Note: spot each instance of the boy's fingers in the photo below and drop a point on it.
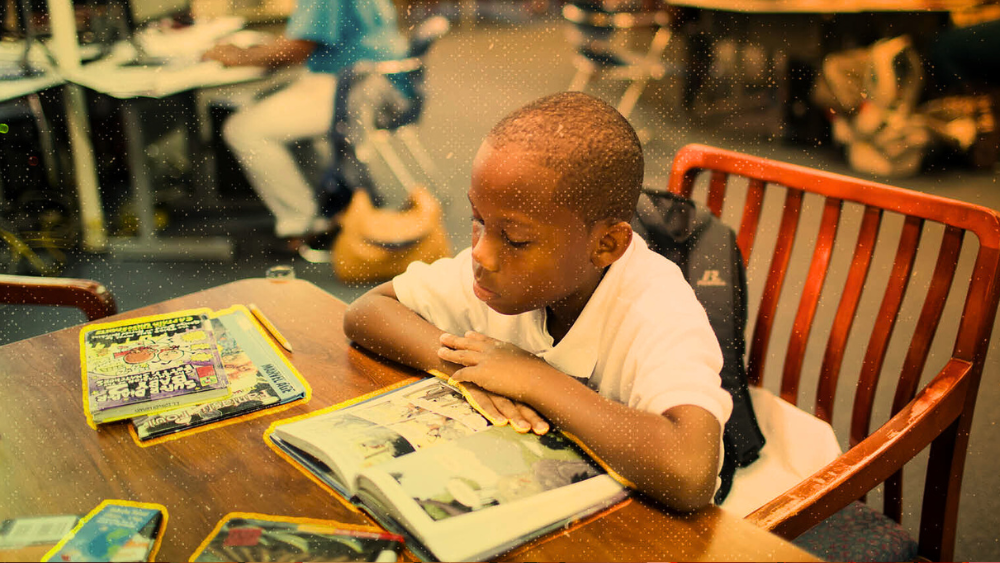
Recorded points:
(538, 424)
(448, 339)
(473, 335)
(464, 357)
(459, 342)
(485, 403)
(512, 413)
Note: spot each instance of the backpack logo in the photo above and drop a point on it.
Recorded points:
(711, 278)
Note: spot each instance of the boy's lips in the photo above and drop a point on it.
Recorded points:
(482, 292)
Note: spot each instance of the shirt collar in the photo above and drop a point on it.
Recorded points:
(577, 353)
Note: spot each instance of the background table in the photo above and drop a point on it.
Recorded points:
(751, 64)
(51, 462)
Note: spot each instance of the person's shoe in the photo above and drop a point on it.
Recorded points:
(287, 246)
(316, 249)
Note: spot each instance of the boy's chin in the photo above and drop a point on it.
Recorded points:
(497, 302)
(504, 308)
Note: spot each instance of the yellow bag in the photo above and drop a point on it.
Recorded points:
(377, 244)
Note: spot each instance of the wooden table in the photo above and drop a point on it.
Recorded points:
(51, 462)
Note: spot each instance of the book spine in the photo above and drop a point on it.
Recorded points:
(135, 409)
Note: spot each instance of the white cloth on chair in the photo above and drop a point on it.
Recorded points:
(798, 445)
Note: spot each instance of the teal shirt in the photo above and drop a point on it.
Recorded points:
(346, 31)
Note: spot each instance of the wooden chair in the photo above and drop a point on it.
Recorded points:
(889, 308)
(87, 295)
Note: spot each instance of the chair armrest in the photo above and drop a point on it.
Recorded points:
(87, 295)
(871, 461)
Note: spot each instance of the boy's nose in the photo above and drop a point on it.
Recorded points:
(484, 254)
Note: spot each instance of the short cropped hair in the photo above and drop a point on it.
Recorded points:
(591, 146)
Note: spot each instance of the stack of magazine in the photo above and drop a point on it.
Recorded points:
(427, 466)
(177, 371)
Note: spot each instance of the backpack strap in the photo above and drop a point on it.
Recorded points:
(705, 249)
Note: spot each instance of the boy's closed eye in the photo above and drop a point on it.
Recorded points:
(514, 240)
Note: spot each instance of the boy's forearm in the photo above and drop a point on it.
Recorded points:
(385, 326)
(672, 457)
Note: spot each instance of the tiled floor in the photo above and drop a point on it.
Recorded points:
(475, 76)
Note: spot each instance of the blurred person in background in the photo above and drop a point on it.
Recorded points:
(329, 36)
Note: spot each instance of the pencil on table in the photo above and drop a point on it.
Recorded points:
(270, 327)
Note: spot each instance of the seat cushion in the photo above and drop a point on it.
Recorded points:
(859, 533)
(783, 461)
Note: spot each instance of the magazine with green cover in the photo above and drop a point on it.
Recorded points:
(426, 465)
(260, 377)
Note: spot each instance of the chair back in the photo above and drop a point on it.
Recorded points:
(410, 81)
(426, 34)
(89, 296)
(396, 104)
(869, 304)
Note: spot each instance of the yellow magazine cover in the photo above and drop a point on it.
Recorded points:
(149, 364)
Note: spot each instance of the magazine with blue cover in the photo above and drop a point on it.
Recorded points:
(117, 530)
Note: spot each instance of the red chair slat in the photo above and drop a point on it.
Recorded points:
(815, 279)
(936, 416)
(885, 322)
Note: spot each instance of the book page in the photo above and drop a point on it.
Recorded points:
(487, 492)
(384, 428)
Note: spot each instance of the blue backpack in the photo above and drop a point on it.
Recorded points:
(705, 250)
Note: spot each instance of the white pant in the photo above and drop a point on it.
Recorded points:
(260, 135)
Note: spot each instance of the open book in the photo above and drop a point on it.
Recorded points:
(427, 466)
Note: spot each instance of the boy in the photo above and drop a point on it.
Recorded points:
(558, 311)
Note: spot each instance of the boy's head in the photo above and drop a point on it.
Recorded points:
(553, 188)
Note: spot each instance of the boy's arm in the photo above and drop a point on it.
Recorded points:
(672, 457)
(379, 322)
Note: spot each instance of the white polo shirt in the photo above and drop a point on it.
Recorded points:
(643, 339)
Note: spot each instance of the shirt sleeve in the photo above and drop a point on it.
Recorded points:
(439, 293)
(315, 20)
(677, 360)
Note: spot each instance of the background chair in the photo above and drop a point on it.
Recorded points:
(889, 324)
(377, 108)
(89, 296)
(594, 25)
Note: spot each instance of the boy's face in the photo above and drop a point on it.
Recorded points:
(528, 250)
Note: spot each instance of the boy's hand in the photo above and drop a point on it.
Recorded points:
(495, 366)
(502, 410)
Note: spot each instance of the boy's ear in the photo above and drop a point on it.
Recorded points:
(613, 238)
